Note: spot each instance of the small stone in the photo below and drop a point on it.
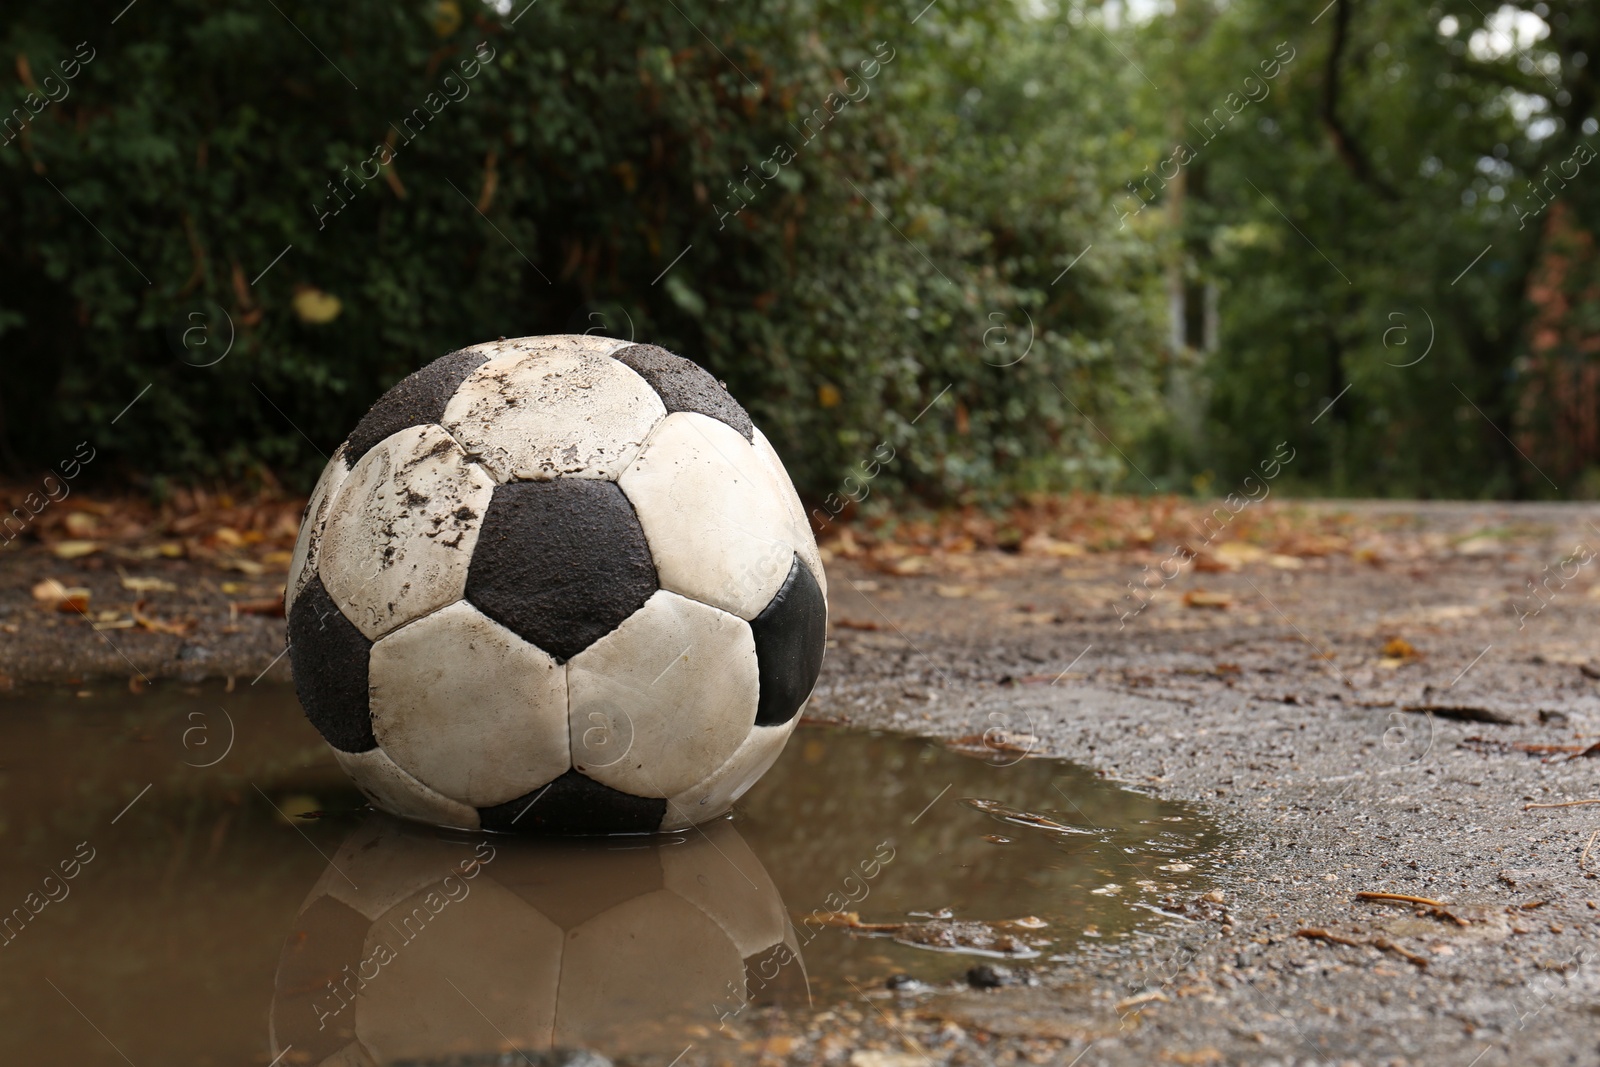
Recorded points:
(988, 976)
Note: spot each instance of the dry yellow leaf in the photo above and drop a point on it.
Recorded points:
(74, 549)
(137, 584)
(49, 591)
(1042, 544)
(1239, 553)
(80, 523)
(315, 307)
(1399, 648)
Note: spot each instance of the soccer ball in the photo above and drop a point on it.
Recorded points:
(556, 585)
(416, 948)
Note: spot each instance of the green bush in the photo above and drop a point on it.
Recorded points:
(623, 167)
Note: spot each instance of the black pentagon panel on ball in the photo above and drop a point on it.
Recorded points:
(328, 658)
(415, 400)
(575, 805)
(561, 563)
(571, 881)
(791, 632)
(684, 385)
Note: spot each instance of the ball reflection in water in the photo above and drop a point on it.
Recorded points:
(418, 944)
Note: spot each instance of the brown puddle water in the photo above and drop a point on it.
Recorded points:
(192, 923)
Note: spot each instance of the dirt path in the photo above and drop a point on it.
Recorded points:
(1372, 718)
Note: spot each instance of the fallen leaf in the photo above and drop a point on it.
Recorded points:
(1239, 553)
(63, 598)
(74, 549)
(1042, 544)
(995, 740)
(1199, 598)
(49, 591)
(1155, 995)
(874, 1058)
(1481, 546)
(772, 1046)
(1027, 617)
(953, 592)
(80, 523)
(855, 624)
(76, 601)
(846, 544)
(1399, 648)
(269, 606)
(137, 584)
(162, 626)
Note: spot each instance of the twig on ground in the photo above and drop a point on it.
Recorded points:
(1410, 957)
(1383, 944)
(1562, 804)
(1437, 908)
(1584, 859)
(1319, 934)
(1403, 897)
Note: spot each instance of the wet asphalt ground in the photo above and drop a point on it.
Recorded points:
(1334, 768)
(1373, 720)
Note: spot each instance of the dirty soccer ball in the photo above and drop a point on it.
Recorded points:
(418, 949)
(556, 585)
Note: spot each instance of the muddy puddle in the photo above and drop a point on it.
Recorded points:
(164, 897)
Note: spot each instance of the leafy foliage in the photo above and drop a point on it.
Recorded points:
(335, 194)
(1378, 202)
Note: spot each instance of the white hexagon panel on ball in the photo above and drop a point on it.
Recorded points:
(662, 701)
(402, 528)
(568, 414)
(464, 704)
(698, 483)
